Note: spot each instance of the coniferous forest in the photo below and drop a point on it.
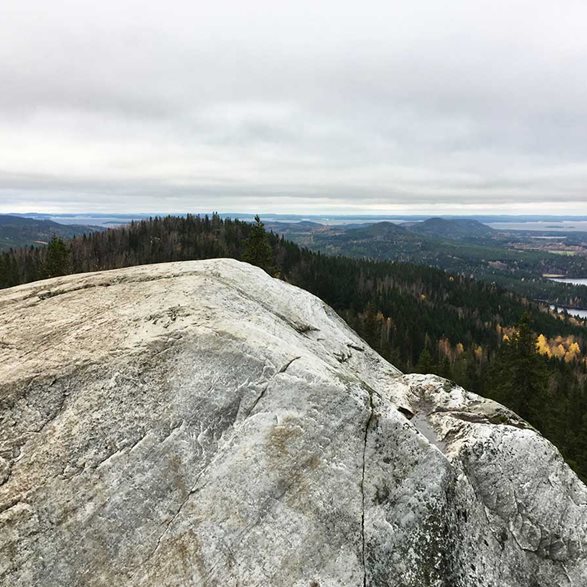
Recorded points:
(487, 339)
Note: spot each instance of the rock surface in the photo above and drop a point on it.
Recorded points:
(201, 423)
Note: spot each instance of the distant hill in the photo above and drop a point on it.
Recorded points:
(454, 229)
(417, 317)
(378, 231)
(17, 231)
(435, 228)
(299, 228)
(462, 246)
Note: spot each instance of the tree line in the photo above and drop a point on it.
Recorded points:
(422, 319)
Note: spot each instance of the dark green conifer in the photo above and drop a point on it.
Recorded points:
(520, 374)
(425, 362)
(257, 248)
(57, 260)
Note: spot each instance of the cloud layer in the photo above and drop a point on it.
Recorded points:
(418, 106)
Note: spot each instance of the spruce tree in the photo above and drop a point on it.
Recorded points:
(425, 362)
(57, 259)
(257, 248)
(520, 375)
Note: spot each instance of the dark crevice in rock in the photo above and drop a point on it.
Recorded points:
(51, 293)
(355, 347)
(10, 504)
(286, 366)
(5, 470)
(43, 294)
(304, 328)
(364, 463)
(407, 413)
(264, 390)
(129, 447)
(258, 399)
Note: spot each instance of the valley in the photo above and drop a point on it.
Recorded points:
(520, 261)
(19, 231)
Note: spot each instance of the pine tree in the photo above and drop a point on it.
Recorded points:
(257, 248)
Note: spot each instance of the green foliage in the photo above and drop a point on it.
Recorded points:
(257, 248)
(520, 375)
(425, 362)
(417, 317)
(57, 259)
(549, 393)
(491, 259)
(17, 231)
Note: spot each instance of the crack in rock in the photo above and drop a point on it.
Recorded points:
(264, 390)
(364, 463)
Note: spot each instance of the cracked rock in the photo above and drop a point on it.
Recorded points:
(183, 424)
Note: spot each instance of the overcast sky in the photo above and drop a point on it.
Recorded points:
(415, 106)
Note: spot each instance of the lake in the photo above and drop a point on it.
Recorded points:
(542, 225)
(571, 311)
(574, 281)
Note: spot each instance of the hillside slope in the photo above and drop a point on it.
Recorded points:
(454, 229)
(201, 423)
(458, 246)
(17, 231)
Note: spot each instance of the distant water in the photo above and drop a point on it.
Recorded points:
(543, 225)
(119, 219)
(575, 281)
(571, 311)
(572, 280)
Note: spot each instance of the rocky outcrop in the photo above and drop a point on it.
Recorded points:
(201, 423)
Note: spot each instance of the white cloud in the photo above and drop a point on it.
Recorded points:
(305, 106)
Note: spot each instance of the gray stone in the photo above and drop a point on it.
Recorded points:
(201, 423)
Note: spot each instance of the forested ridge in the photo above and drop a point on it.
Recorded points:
(421, 319)
(468, 251)
(16, 231)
